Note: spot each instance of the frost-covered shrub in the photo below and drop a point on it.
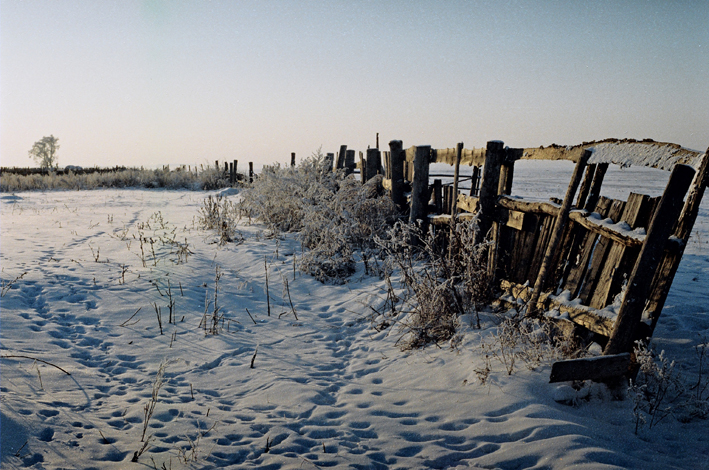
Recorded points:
(280, 196)
(336, 216)
(349, 221)
(656, 389)
(221, 215)
(209, 178)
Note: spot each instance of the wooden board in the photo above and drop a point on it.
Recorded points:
(620, 259)
(600, 252)
(590, 368)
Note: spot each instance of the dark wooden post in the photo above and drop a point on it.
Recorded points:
(558, 231)
(232, 177)
(377, 139)
(236, 173)
(292, 159)
(251, 172)
(362, 167)
(419, 190)
(456, 175)
(341, 157)
(330, 159)
(350, 162)
(640, 281)
(226, 168)
(438, 195)
(507, 169)
(474, 181)
(374, 162)
(396, 172)
(668, 268)
(216, 164)
(488, 188)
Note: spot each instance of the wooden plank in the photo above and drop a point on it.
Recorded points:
(524, 245)
(640, 281)
(609, 280)
(535, 262)
(579, 263)
(530, 207)
(600, 252)
(592, 319)
(598, 368)
(595, 192)
(585, 186)
(467, 203)
(557, 232)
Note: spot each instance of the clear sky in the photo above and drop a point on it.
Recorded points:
(170, 82)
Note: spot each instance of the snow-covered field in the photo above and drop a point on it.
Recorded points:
(325, 389)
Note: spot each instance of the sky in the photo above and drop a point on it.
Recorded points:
(150, 83)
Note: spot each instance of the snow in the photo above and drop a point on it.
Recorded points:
(650, 154)
(326, 390)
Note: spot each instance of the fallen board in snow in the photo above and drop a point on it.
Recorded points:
(590, 368)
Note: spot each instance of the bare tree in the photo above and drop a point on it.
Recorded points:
(44, 151)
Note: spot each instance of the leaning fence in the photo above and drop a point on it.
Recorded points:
(573, 255)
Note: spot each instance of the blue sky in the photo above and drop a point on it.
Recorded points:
(153, 82)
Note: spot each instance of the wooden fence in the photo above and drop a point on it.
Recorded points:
(573, 255)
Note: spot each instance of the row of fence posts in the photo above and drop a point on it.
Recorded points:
(231, 167)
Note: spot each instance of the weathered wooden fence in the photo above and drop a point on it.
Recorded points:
(573, 255)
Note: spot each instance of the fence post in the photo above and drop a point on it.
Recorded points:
(507, 171)
(341, 157)
(292, 159)
(419, 187)
(232, 176)
(396, 173)
(595, 192)
(640, 281)
(216, 164)
(488, 188)
(456, 175)
(251, 172)
(374, 162)
(438, 195)
(236, 173)
(350, 162)
(330, 159)
(362, 168)
(670, 263)
(558, 231)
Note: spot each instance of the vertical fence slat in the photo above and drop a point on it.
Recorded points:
(559, 226)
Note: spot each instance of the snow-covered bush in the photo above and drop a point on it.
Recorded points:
(336, 216)
(221, 215)
(207, 179)
(439, 283)
(656, 389)
(280, 195)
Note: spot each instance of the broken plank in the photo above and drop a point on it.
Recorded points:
(597, 368)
